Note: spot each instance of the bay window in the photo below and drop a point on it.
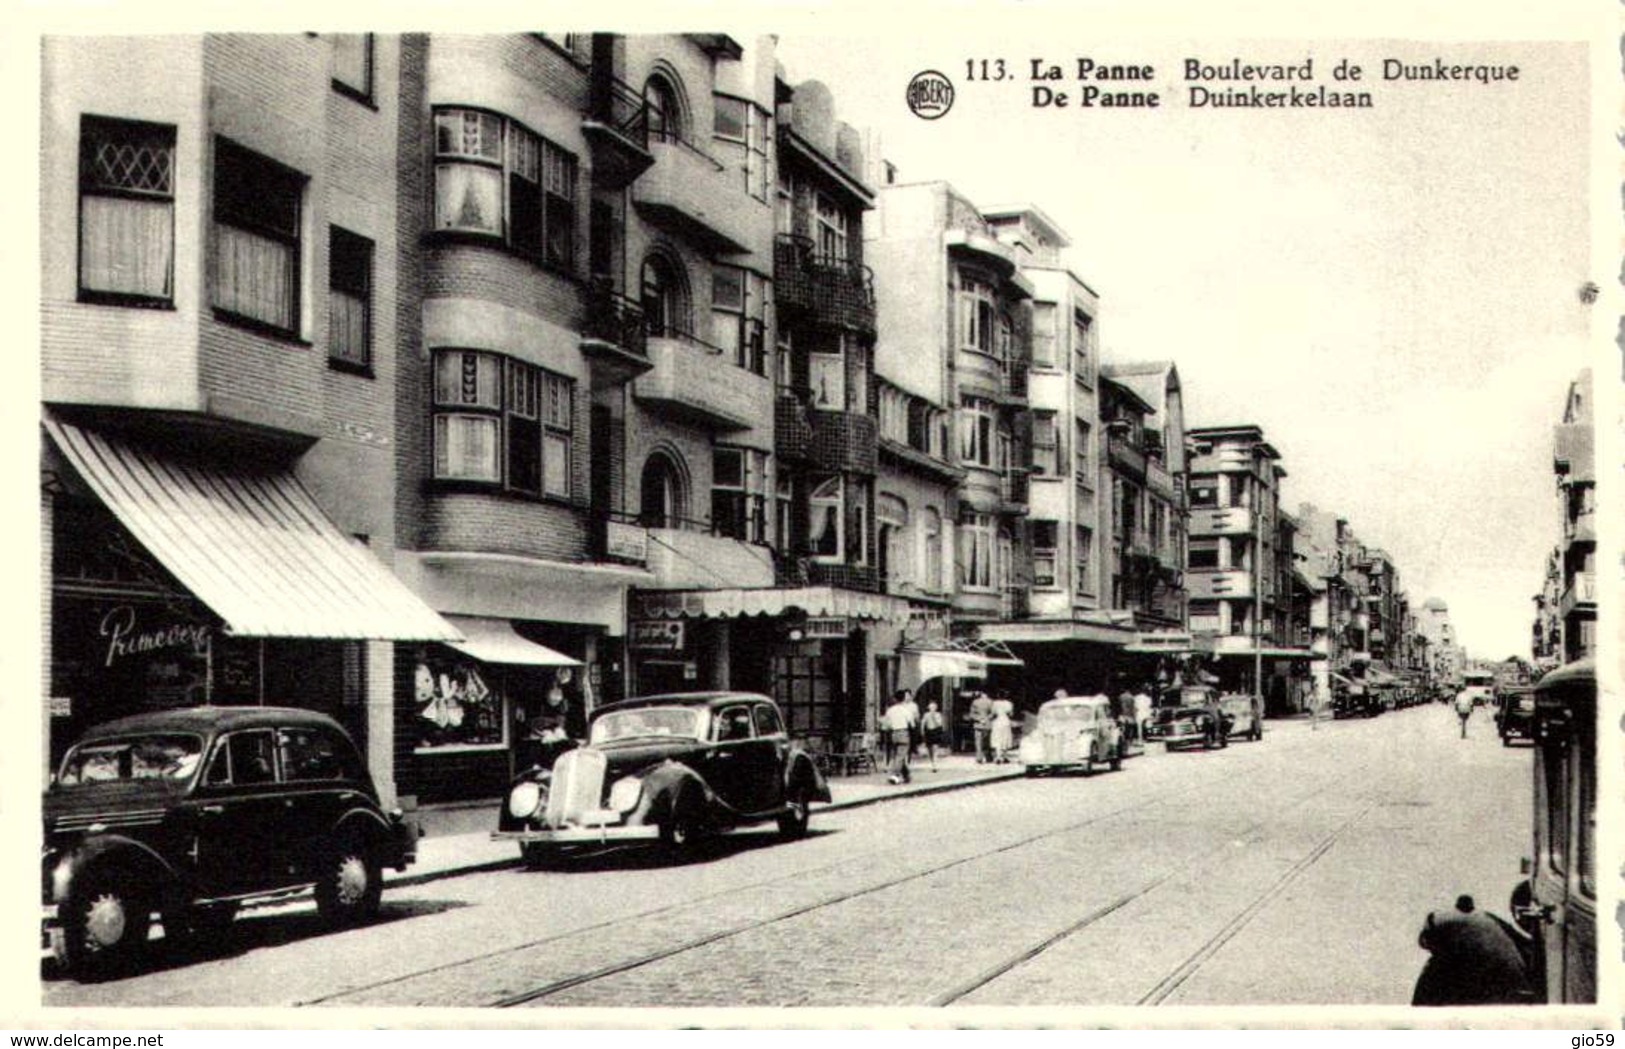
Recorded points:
(826, 373)
(257, 238)
(978, 317)
(738, 298)
(976, 428)
(126, 211)
(976, 538)
(496, 177)
(502, 421)
(826, 531)
(739, 494)
(831, 225)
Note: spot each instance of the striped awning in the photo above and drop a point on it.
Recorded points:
(496, 641)
(733, 602)
(250, 542)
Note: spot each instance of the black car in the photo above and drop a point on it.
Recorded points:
(667, 768)
(1355, 701)
(1515, 714)
(190, 813)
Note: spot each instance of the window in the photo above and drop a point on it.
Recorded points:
(499, 420)
(1204, 553)
(494, 176)
(857, 522)
(661, 502)
(767, 721)
(662, 299)
(931, 537)
(249, 758)
(1046, 446)
(1080, 453)
(977, 316)
(1083, 552)
(736, 120)
(737, 299)
(783, 510)
(1045, 536)
(349, 298)
(976, 431)
(1082, 353)
(826, 532)
(1044, 334)
(739, 494)
(831, 228)
(894, 414)
(1004, 571)
(826, 372)
(312, 754)
(976, 552)
(352, 64)
(1204, 492)
(857, 396)
(665, 117)
(257, 250)
(126, 211)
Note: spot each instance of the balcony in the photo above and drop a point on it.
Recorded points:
(1017, 604)
(1582, 528)
(1123, 456)
(1016, 386)
(981, 247)
(1157, 479)
(694, 382)
(833, 292)
(1233, 583)
(617, 130)
(844, 441)
(693, 195)
(1015, 493)
(1579, 596)
(612, 336)
(804, 571)
(685, 555)
(1223, 520)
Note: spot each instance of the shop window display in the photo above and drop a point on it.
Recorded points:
(456, 707)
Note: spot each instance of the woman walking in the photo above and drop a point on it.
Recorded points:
(932, 724)
(1003, 736)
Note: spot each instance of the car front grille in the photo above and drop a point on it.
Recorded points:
(577, 787)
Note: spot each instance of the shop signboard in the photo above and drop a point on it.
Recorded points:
(656, 635)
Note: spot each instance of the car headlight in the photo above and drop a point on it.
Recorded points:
(624, 795)
(525, 800)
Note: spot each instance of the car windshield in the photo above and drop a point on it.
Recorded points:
(1069, 712)
(165, 757)
(683, 722)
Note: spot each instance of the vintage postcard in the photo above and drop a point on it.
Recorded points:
(990, 516)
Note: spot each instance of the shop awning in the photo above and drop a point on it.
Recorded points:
(251, 543)
(918, 666)
(496, 641)
(732, 602)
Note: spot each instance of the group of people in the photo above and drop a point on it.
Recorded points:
(991, 719)
(904, 729)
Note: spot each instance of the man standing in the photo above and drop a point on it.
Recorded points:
(981, 719)
(899, 720)
(1142, 711)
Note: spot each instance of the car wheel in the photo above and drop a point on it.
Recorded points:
(349, 883)
(679, 830)
(797, 812)
(1117, 759)
(106, 922)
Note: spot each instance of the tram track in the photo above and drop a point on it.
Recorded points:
(645, 959)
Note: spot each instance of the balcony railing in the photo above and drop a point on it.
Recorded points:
(615, 319)
(1122, 454)
(617, 126)
(621, 107)
(1016, 490)
(835, 290)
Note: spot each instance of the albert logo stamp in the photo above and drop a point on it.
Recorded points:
(930, 95)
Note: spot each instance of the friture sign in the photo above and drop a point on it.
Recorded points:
(830, 627)
(656, 635)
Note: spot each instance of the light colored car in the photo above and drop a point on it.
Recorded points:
(1073, 732)
(1244, 715)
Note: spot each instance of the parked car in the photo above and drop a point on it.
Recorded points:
(1073, 732)
(1355, 700)
(190, 813)
(1515, 714)
(1244, 715)
(1195, 719)
(667, 768)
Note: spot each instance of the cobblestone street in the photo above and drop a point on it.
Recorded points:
(1295, 870)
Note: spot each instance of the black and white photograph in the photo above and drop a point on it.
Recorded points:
(992, 516)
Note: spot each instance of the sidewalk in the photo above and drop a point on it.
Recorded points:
(458, 836)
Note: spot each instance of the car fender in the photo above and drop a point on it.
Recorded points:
(801, 770)
(111, 851)
(663, 785)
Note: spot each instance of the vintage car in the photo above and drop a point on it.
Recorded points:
(1190, 716)
(1354, 699)
(1515, 714)
(1073, 732)
(1244, 714)
(190, 813)
(668, 768)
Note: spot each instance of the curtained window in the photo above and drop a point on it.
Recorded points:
(126, 211)
(257, 247)
(496, 177)
(349, 298)
(502, 421)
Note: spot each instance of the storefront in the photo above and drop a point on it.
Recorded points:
(178, 580)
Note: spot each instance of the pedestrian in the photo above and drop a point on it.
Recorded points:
(981, 719)
(913, 726)
(931, 725)
(899, 725)
(1001, 734)
(1142, 710)
(1464, 709)
(1477, 959)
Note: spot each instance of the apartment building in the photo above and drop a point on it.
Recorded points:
(1142, 414)
(220, 305)
(1574, 463)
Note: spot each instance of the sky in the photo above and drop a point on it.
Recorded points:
(1391, 293)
